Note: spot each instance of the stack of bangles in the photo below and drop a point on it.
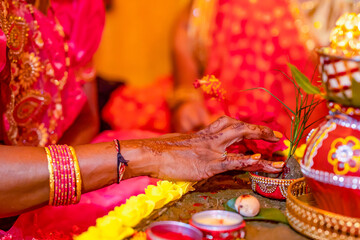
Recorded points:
(65, 178)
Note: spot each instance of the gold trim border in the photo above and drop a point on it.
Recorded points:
(314, 222)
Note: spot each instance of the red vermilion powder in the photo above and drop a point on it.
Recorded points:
(173, 236)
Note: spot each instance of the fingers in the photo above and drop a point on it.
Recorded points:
(240, 130)
(219, 124)
(248, 163)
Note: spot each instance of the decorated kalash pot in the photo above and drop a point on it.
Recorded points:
(331, 163)
(219, 224)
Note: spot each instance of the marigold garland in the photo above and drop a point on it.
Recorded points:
(119, 223)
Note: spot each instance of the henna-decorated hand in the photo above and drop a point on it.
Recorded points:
(200, 155)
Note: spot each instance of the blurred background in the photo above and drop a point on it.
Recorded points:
(136, 41)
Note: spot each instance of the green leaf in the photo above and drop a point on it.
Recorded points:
(303, 81)
(265, 214)
(355, 87)
(269, 214)
(230, 205)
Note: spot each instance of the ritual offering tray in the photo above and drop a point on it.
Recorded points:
(269, 187)
(219, 224)
(168, 230)
(305, 217)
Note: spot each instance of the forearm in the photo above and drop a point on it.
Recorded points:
(24, 181)
(25, 177)
(186, 69)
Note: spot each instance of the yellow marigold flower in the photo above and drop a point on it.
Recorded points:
(111, 227)
(299, 152)
(119, 222)
(285, 152)
(125, 232)
(92, 233)
(145, 204)
(157, 195)
(129, 214)
(186, 186)
(139, 236)
(135, 209)
(165, 185)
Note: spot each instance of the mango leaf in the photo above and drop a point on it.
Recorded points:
(355, 87)
(303, 81)
(265, 214)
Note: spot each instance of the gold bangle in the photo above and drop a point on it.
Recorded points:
(51, 176)
(77, 173)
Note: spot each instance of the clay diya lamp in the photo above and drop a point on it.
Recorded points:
(219, 224)
(172, 230)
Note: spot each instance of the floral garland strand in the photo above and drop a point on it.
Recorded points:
(119, 223)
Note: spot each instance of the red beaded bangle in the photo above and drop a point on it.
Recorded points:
(71, 176)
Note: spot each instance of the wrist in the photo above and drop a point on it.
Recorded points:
(140, 162)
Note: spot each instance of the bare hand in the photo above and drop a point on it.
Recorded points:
(200, 155)
(190, 116)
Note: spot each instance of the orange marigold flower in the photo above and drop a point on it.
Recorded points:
(211, 86)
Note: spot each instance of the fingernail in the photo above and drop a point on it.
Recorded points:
(278, 134)
(278, 164)
(256, 156)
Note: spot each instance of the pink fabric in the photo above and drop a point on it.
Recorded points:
(2, 50)
(42, 110)
(64, 222)
(83, 22)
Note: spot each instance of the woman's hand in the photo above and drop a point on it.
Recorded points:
(190, 116)
(200, 155)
